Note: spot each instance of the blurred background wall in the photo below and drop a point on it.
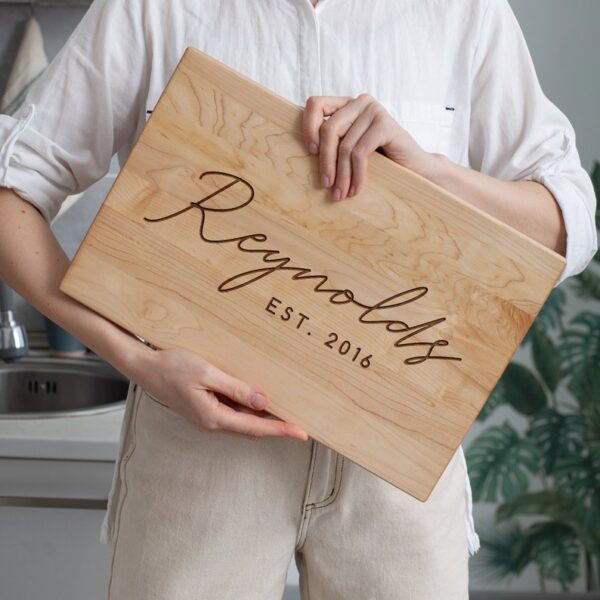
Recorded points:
(564, 40)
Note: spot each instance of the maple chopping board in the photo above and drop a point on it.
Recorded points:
(379, 324)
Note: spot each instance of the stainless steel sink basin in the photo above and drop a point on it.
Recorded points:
(39, 387)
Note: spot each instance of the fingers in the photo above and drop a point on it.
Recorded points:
(342, 141)
(240, 415)
(236, 389)
(210, 398)
(257, 427)
(348, 158)
(366, 145)
(317, 108)
(330, 132)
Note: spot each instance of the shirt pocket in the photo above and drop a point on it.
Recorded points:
(429, 123)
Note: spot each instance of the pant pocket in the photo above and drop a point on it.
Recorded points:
(125, 448)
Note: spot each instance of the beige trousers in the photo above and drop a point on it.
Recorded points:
(198, 515)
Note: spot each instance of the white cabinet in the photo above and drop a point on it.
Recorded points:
(51, 554)
(49, 548)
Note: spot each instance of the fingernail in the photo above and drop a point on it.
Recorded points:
(337, 194)
(258, 401)
(325, 180)
(352, 190)
(313, 148)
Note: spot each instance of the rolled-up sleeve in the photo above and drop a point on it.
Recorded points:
(82, 109)
(517, 133)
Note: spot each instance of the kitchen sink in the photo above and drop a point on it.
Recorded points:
(40, 387)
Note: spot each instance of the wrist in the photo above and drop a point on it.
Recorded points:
(438, 169)
(133, 358)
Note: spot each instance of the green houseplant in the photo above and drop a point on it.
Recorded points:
(546, 478)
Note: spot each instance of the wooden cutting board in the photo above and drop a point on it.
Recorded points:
(379, 324)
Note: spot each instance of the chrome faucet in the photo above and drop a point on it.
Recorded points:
(13, 336)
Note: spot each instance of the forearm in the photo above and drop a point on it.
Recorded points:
(33, 263)
(525, 205)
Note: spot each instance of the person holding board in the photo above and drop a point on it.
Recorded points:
(212, 496)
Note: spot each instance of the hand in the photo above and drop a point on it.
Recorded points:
(356, 127)
(210, 398)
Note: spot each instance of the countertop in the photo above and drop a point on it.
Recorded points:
(88, 437)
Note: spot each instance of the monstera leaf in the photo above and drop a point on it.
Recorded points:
(550, 316)
(546, 503)
(554, 506)
(581, 342)
(522, 390)
(557, 435)
(578, 477)
(546, 359)
(596, 182)
(506, 551)
(555, 549)
(580, 350)
(585, 386)
(587, 284)
(499, 462)
(496, 398)
(592, 425)
(518, 387)
(503, 553)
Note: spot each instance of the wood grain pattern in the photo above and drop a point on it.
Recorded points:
(380, 324)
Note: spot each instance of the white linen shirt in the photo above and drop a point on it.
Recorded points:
(456, 74)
